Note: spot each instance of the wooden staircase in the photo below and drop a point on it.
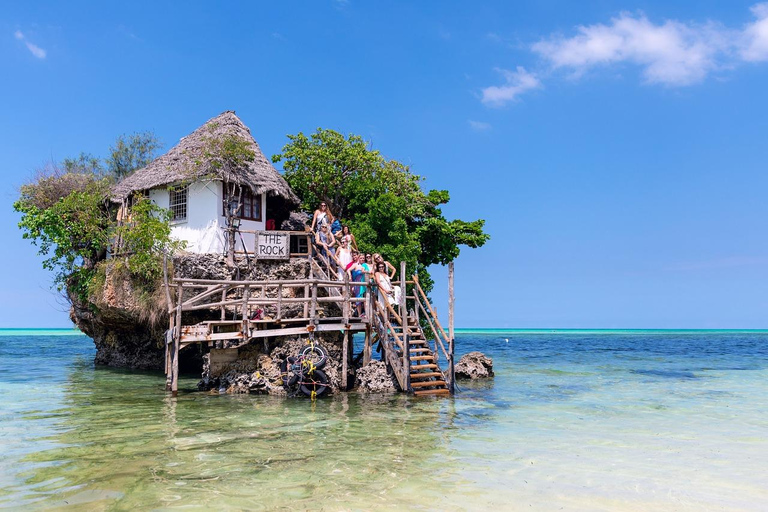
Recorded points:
(424, 376)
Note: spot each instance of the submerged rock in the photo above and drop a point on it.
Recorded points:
(474, 365)
(375, 378)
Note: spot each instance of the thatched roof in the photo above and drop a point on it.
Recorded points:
(185, 162)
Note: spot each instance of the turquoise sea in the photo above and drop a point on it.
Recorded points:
(574, 420)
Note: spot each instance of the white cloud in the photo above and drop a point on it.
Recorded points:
(517, 82)
(755, 37)
(479, 126)
(672, 53)
(33, 48)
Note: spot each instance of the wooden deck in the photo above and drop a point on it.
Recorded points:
(250, 310)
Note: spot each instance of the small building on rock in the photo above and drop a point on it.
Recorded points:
(203, 177)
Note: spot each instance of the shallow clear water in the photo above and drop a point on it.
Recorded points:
(585, 420)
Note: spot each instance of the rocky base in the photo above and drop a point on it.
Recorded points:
(474, 365)
(375, 378)
(256, 368)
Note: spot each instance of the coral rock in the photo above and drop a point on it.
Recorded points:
(474, 365)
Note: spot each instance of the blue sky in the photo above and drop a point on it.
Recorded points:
(616, 150)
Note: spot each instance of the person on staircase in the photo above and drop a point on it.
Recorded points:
(324, 239)
(322, 217)
(346, 233)
(358, 273)
(387, 293)
(377, 258)
(344, 256)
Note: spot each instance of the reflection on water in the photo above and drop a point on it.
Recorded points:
(653, 424)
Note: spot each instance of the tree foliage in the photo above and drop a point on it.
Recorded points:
(66, 212)
(146, 238)
(380, 199)
(71, 230)
(131, 152)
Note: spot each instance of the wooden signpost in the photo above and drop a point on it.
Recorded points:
(272, 245)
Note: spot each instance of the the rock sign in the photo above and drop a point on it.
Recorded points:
(272, 245)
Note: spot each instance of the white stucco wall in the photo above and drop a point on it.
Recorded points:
(202, 229)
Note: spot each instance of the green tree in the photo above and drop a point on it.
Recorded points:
(131, 152)
(380, 199)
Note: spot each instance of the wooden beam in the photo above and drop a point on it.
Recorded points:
(406, 335)
(176, 344)
(367, 345)
(344, 359)
(451, 301)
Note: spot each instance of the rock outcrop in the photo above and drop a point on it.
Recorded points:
(375, 378)
(474, 365)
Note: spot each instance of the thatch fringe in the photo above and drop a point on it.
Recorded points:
(184, 163)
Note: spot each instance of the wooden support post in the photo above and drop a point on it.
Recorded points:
(244, 311)
(367, 346)
(279, 302)
(176, 344)
(306, 303)
(346, 306)
(170, 310)
(406, 332)
(452, 375)
(223, 299)
(344, 361)
(313, 304)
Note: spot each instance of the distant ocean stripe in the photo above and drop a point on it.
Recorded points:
(606, 331)
(40, 332)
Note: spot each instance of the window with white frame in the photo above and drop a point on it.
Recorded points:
(178, 203)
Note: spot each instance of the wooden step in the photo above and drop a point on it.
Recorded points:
(416, 357)
(416, 342)
(424, 375)
(423, 366)
(429, 383)
(438, 392)
(420, 350)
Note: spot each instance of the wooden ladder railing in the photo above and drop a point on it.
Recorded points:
(405, 346)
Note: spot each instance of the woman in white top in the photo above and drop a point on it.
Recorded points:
(344, 255)
(386, 291)
(322, 217)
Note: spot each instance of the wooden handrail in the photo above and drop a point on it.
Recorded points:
(438, 340)
(429, 305)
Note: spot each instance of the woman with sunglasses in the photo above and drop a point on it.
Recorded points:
(387, 265)
(387, 292)
(322, 217)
